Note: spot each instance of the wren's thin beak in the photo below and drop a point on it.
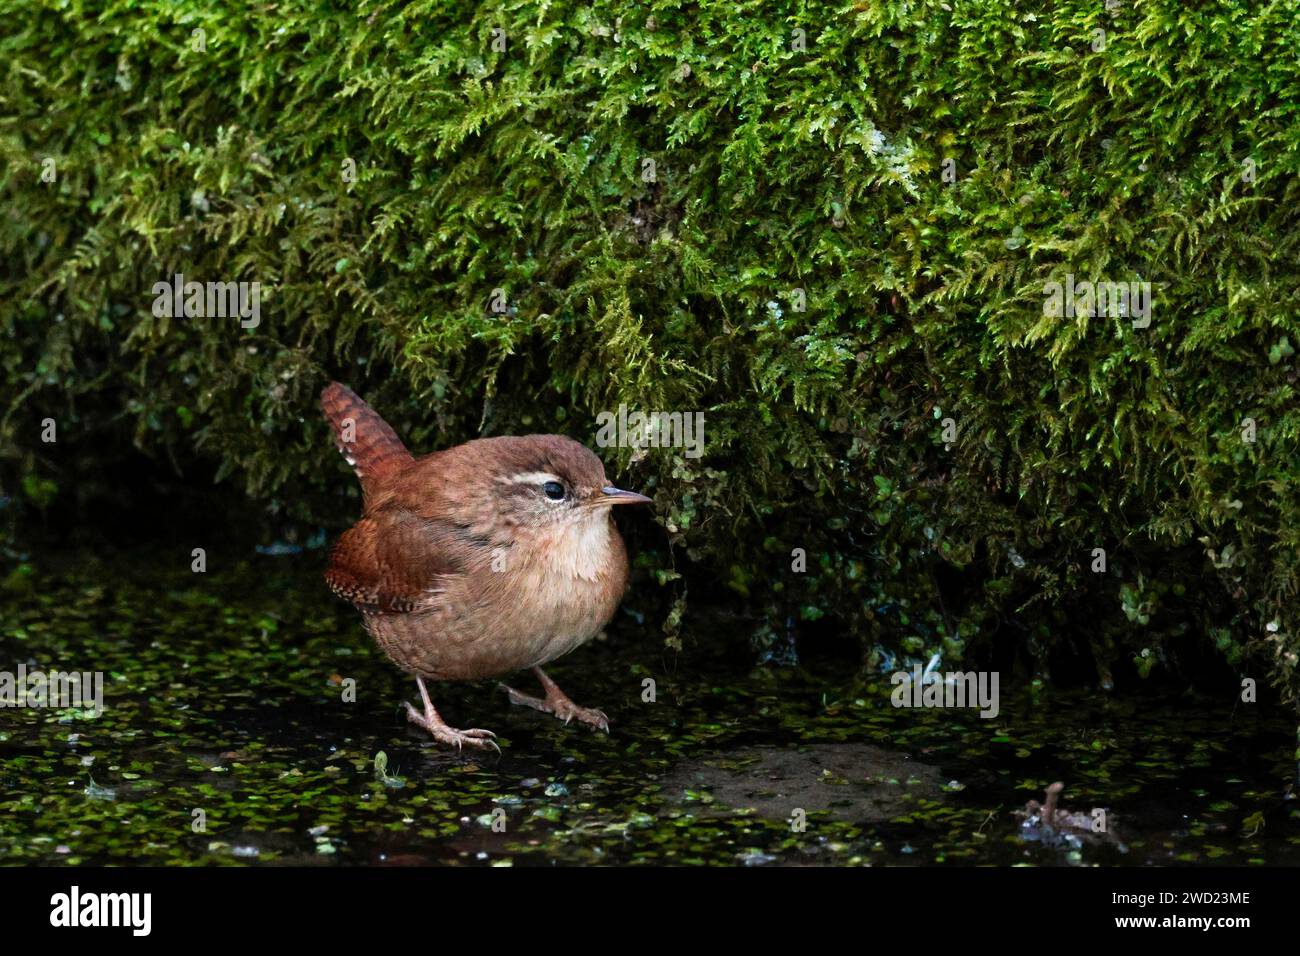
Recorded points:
(617, 496)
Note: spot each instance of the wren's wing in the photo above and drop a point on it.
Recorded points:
(395, 561)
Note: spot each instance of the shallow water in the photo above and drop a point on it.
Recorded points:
(225, 740)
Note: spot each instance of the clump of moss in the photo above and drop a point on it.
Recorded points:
(828, 228)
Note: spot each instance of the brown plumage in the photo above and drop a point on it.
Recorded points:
(494, 556)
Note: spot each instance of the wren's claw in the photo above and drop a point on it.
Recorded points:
(438, 729)
(567, 710)
(558, 703)
(474, 737)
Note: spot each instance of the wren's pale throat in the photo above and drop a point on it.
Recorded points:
(494, 556)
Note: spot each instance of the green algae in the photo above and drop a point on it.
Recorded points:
(228, 738)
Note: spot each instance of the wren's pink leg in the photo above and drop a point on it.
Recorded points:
(558, 703)
(439, 730)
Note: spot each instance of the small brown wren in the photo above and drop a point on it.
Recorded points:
(494, 556)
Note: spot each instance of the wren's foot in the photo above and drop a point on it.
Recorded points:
(439, 730)
(558, 703)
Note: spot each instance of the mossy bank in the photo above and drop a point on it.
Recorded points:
(829, 228)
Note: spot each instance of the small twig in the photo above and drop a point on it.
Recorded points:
(1049, 808)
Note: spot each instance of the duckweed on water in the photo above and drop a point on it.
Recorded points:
(226, 739)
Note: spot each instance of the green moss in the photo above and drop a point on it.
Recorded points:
(1166, 154)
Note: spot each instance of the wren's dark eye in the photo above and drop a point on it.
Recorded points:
(554, 490)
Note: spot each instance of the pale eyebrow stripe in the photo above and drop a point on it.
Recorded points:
(530, 478)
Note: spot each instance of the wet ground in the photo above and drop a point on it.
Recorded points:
(226, 739)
